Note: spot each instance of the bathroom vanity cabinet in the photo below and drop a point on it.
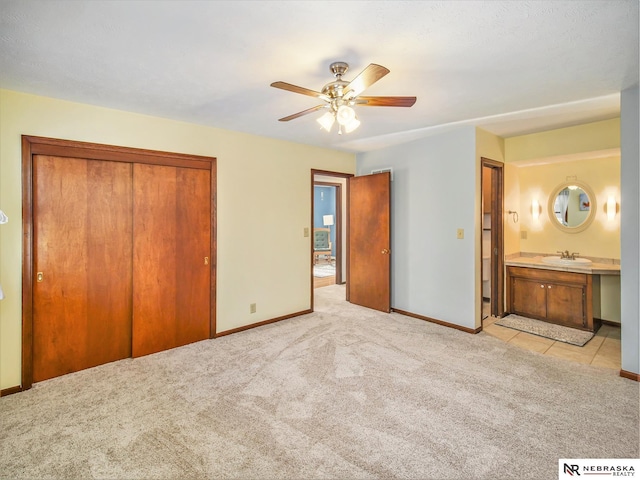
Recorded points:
(561, 297)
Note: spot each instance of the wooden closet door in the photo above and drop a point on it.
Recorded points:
(83, 249)
(172, 249)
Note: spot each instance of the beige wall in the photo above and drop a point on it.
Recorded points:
(512, 223)
(264, 203)
(601, 238)
(570, 142)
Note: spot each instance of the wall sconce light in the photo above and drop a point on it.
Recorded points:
(536, 209)
(611, 208)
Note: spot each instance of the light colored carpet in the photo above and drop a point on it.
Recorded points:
(559, 333)
(324, 270)
(343, 393)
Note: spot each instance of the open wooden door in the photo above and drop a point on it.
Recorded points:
(369, 241)
(497, 265)
(497, 236)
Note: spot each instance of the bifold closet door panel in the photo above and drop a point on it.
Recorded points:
(82, 247)
(172, 248)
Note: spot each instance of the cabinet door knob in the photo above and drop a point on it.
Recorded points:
(541, 286)
(549, 286)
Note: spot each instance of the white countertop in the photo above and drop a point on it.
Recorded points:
(592, 268)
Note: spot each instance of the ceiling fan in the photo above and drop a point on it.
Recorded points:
(340, 96)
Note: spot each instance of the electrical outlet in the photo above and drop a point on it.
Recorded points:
(460, 234)
(252, 308)
(523, 234)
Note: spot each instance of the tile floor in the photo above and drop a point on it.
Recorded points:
(603, 350)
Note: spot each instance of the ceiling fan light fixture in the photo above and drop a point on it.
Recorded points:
(352, 125)
(345, 115)
(326, 121)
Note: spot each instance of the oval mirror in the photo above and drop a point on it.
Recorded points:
(572, 206)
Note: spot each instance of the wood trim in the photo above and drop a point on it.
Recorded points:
(33, 145)
(96, 151)
(213, 286)
(264, 322)
(339, 243)
(607, 322)
(328, 173)
(439, 322)
(27, 262)
(630, 375)
(11, 390)
(348, 239)
(311, 256)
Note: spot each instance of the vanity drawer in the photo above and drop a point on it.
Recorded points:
(548, 275)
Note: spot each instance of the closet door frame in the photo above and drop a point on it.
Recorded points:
(31, 146)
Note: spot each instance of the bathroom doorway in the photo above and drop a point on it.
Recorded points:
(492, 247)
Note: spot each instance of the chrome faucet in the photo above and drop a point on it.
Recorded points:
(567, 255)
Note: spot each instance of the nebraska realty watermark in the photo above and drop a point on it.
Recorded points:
(594, 469)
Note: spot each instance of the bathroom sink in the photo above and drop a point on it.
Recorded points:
(566, 261)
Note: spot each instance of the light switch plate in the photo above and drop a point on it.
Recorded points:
(460, 234)
(306, 231)
(523, 234)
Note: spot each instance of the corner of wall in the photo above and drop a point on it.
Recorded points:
(630, 230)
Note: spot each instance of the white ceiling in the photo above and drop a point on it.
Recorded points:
(511, 67)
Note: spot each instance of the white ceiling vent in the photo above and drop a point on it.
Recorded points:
(382, 170)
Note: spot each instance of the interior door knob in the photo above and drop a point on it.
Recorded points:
(39, 276)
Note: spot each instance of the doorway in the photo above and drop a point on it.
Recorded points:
(492, 243)
(327, 231)
(328, 213)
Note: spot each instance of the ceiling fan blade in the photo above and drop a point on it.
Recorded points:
(366, 78)
(300, 114)
(304, 91)
(386, 101)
